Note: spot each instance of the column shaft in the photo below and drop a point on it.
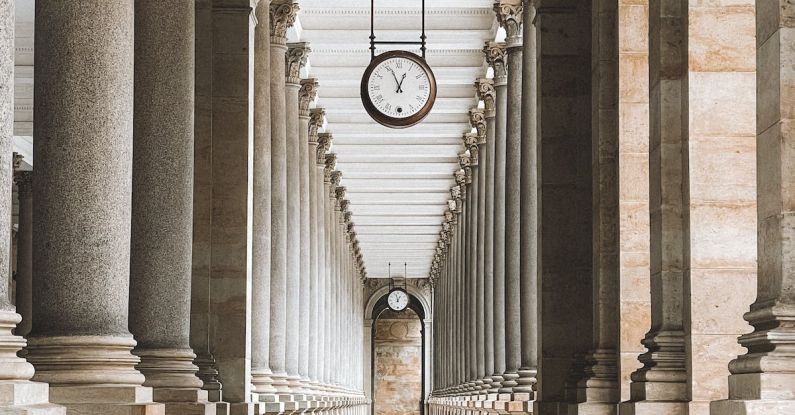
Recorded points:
(24, 287)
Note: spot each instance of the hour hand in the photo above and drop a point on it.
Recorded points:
(400, 84)
(396, 80)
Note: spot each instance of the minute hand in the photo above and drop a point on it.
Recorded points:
(400, 84)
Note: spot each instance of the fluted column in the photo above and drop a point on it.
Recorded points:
(316, 119)
(324, 184)
(24, 287)
(162, 200)
(261, 381)
(282, 16)
(80, 339)
(476, 148)
(306, 95)
(330, 183)
(486, 93)
(762, 381)
(528, 371)
(495, 54)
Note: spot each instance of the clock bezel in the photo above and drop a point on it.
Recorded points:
(387, 120)
(408, 299)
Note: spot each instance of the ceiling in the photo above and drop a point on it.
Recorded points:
(398, 181)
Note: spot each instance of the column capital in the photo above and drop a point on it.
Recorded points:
(484, 88)
(330, 165)
(477, 119)
(323, 145)
(464, 159)
(17, 161)
(495, 56)
(307, 95)
(471, 142)
(295, 60)
(282, 17)
(24, 181)
(509, 16)
(317, 117)
(336, 176)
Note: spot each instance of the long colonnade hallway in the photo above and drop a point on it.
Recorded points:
(213, 208)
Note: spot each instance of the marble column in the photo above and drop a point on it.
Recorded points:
(162, 201)
(261, 381)
(461, 282)
(529, 211)
(762, 380)
(297, 54)
(477, 120)
(334, 215)
(496, 57)
(316, 119)
(306, 96)
(80, 340)
(24, 287)
(486, 93)
(470, 141)
(282, 16)
(509, 16)
(324, 182)
(330, 181)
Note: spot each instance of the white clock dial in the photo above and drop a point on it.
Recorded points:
(398, 300)
(399, 87)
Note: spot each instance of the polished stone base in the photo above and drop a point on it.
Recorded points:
(186, 402)
(27, 398)
(757, 407)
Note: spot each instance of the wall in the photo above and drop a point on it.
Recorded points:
(398, 364)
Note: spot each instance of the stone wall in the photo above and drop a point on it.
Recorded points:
(398, 364)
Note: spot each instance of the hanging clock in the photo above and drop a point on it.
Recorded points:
(398, 299)
(398, 89)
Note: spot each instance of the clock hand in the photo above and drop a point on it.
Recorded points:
(400, 84)
(396, 80)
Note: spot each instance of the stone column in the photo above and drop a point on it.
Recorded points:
(495, 54)
(324, 180)
(316, 119)
(282, 16)
(762, 381)
(296, 58)
(334, 214)
(509, 16)
(306, 95)
(529, 212)
(80, 343)
(24, 288)
(477, 120)
(162, 201)
(468, 280)
(486, 93)
(330, 183)
(470, 143)
(261, 381)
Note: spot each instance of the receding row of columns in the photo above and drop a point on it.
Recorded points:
(671, 107)
(107, 272)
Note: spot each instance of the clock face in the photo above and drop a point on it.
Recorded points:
(398, 89)
(398, 300)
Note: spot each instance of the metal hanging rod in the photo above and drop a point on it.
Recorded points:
(373, 42)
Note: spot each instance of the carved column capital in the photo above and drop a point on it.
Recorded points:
(336, 176)
(282, 17)
(323, 145)
(24, 182)
(330, 164)
(485, 90)
(17, 161)
(477, 119)
(295, 60)
(495, 56)
(471, 141)
(306, 95)
(464, 159)
(317, 116)
(509, 16)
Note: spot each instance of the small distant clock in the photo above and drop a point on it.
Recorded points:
(398, 89)
(398, 300)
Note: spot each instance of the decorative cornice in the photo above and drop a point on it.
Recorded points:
(477, 119)
(316, 118)
(282, 17)
(323, 145)
(495, 56)
(24, 182)
(331, 164)
(295, 60)
(484, 88)
(306, 95)
(362, 11)
(366, 51)
(509, 16)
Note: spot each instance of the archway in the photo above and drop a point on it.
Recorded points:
(377, 308)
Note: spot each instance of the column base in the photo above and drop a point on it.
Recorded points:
(551, 408)
(106, 400)
(654, 408)
(27, 398)
(185, 401)
(756, 407)
(593, 408)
